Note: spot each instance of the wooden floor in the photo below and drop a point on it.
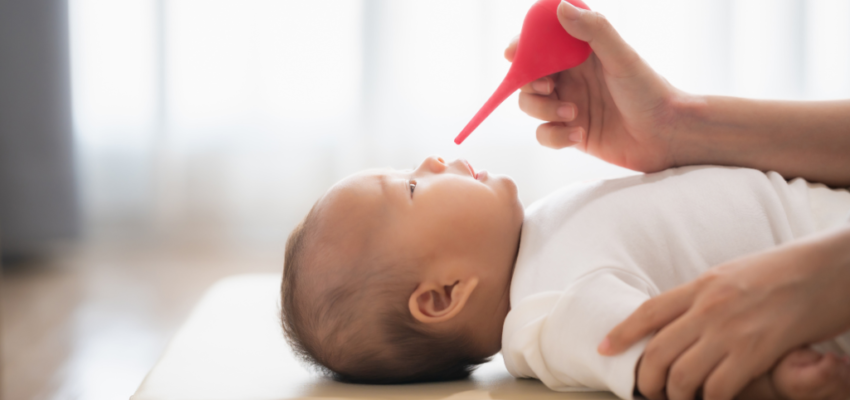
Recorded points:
(89, 321)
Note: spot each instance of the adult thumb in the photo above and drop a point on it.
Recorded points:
(617, 57)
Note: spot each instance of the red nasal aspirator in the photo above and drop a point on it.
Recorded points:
(544, 48)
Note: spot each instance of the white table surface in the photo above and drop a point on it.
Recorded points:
(232, 347)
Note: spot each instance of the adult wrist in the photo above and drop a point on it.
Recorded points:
(836, 246)
(718, 130)
(828, 263)
(688, 138)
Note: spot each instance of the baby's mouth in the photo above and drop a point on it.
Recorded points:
(472, 170)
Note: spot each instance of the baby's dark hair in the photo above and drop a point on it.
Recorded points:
(389, 346)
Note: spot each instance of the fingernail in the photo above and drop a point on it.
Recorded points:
(605, 346)
(568, 11)
(567, 112)
(541, 86)
(576, 138)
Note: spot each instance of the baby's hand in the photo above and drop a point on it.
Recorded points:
(803, 374)
(808, 375)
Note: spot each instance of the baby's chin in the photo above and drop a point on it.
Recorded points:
(504, 183)
(513, 197)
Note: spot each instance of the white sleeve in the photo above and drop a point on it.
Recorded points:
(552, 336)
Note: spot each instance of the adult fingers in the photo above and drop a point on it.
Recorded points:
(730, 377)
(661, 352)
(690, 369)
(557, 135)
(618, 58)
(510, 51)
(544, 86)
(652, 315)
(546, 108)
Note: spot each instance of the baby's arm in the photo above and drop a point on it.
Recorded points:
(552, 336)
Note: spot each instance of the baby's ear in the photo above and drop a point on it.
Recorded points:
(434, 302)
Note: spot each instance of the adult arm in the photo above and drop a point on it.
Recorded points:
(735, 322)
(616, 107)
(795, 138)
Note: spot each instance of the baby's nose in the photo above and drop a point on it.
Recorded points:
(434, 164)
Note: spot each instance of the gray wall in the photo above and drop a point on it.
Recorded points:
(38, 201)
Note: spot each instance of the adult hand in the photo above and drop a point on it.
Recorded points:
(612, 106)
(732, 324)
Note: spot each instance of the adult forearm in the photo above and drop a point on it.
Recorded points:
(797, 139)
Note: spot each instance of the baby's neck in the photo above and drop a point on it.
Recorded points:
(487, 318)
(489, 309)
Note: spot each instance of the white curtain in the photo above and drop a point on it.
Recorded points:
(226, 119)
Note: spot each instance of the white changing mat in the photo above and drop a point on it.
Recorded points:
(232, 348)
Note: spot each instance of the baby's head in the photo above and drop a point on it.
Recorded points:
(403, 276)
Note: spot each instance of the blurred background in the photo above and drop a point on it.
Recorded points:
(150, 147)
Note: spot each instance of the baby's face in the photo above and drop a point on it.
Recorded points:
(439, 211)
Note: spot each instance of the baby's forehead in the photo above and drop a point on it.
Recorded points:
(348, 223)
(352, 212)
(363, 194)
(353, 197)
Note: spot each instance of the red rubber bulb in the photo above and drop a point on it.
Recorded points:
(544, 48)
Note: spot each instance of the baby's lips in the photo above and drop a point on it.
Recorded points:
(471, 170)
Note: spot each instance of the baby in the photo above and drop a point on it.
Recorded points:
(413, 276)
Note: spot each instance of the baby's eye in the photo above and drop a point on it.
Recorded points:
(412, 184)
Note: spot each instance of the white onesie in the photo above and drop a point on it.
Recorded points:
(591, 253)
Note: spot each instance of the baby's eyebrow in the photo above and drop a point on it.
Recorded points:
(387, 189)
